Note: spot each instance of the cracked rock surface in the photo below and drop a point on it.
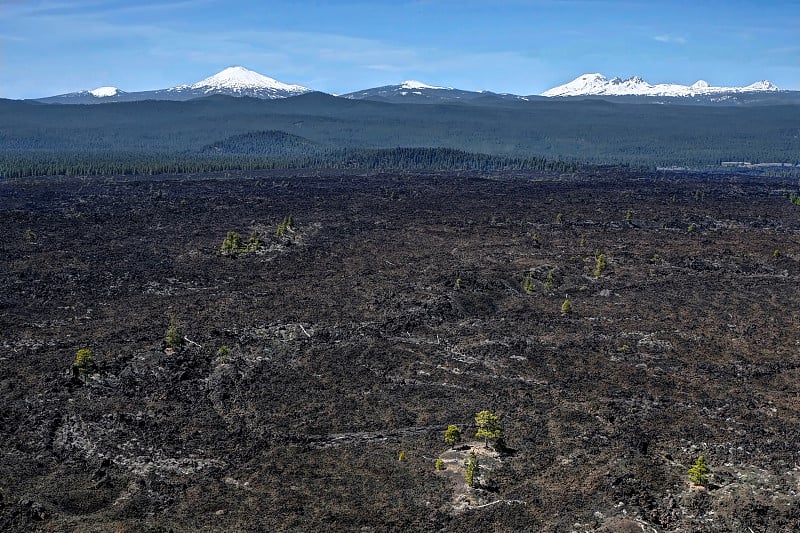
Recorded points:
(395, 306)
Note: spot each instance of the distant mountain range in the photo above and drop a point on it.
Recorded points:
(238, 81)
(232, 81)
(597, 84)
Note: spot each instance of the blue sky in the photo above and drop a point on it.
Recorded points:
(525, 47)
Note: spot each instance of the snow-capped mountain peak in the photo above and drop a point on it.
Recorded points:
(242, 78)
(597, 84)
(240, 81)
(763, 85)
(414, 84)
(103, 92)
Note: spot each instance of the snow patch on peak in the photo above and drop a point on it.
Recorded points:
(700, 84)
(414, 84)
(240, 79)
(102, 92)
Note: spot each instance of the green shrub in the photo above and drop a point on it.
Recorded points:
(471, 469)
(566, 308)
(599, 265)
(439, 464)
(233, 244)
(173, 338)
(452, 435)
(549, 281)
(224, 352)
(84, 360)
(401, 456)
(286, 225)
(698, 472)
(527, 283)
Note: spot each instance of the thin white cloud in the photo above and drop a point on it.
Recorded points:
(670, 38)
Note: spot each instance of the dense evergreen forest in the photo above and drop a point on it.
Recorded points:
(322, 131)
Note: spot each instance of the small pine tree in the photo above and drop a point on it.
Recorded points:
(566, 308)
(232, 243)
(401, 456)
(776, 254)
(471, 469)
(692, 228)
(224, 353)
(84, 360)
(698, 472)
(173, 338)
(452, 435)
(286, 225)
(629, 216)
(488, 426)
(527, 283)
(253, 243)
(599, 265)
(549, 281)
(439, 464)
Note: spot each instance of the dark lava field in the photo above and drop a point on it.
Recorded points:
(391, 307)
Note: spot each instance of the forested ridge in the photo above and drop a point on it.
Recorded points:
(321, 131)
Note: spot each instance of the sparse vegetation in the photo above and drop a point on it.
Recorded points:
(692, 228)
(401, 456)
(599, 265)
(549, 281)
(452, 435)
(173, 338)
(224, 353)
(30, 236)
(439, 464)
(233, 244)
(699, 471)
(566, 307)
(286, 226)
(84, 360)
(488, 426)
(527, 283)
(471, 469)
